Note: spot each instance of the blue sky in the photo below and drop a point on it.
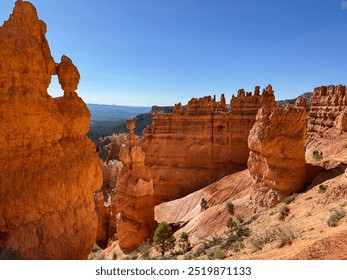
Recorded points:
(146, 52)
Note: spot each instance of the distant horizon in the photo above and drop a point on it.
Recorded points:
(145, 53)
(171, 105)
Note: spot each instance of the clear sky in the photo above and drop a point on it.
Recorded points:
(146, 52)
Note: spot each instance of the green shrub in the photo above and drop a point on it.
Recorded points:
(183, 242)
(290, 199)
(322, 188)
(284, 212)
(259, 241)
(240, 218)
(285, 235)
(96, 248)
(144, 250)
(114, 256)
(216, 240)
(100, 255)
(203, 204)
(250, 220)
(132, 256)
(201, 250)
(236, 233)
(335, 216)
(317, 156)
(216, 254)
(230, 207)
(237, 246)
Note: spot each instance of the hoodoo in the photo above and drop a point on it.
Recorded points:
(49, 168)
(277, 144)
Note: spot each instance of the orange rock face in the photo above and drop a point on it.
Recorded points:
(106, 204)
(49, 168)
(328, 110)
(180, 153)
(191, 148)
(277, 144)
(134, 195)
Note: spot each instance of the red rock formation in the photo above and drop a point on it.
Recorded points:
(187, 150)
(327, 126)
(135, 195)
(277, 143)
(106, 204)
(49, 168)
(328, 104)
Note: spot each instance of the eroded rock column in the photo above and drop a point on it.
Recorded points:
(277, 144)
(49, 168)
(135, 195)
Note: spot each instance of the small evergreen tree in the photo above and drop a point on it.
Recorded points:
(203, 204)
(184, 241)
(230, 207)
(163, 238)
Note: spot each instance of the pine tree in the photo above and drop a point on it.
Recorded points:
(163, 238)
(184, 241)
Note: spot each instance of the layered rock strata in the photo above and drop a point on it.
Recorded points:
(134, 195)
(197, 145)
(328, 110)
(49, 168)
(277, 156)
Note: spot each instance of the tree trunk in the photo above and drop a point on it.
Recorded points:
(163, 247)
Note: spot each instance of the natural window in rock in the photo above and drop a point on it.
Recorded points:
(54, 88)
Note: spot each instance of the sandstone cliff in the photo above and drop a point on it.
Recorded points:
(193, 147)
(328, 104)
(277, 143)
(327, 126)
(184, 150)
(49, 167)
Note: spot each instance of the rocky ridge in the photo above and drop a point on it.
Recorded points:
(202, 139)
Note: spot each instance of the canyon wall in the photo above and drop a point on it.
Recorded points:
(327, 126)
(181, 152)
(328, 110)
(49, 168)
(277, 144)
(197, 145)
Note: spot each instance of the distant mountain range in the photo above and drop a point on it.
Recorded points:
(115, 112)
(105, 119)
